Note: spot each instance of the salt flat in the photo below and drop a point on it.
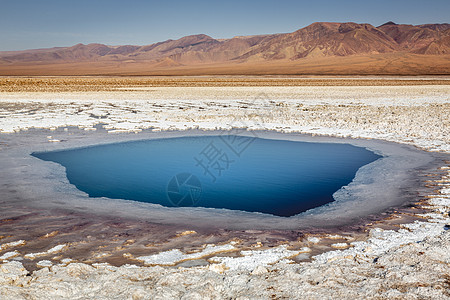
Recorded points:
(396, 113)
(411, 261)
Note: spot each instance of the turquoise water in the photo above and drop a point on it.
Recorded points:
(252, 174)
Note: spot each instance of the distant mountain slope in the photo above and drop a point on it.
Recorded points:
(318, 40)
(325, 39)
(422, 39)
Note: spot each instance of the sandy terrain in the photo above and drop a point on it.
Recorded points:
(376, 64)
(105, 84)
(386, 259)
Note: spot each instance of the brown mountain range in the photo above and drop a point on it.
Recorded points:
(320, 48)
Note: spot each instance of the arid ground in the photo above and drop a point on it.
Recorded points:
(378, 64)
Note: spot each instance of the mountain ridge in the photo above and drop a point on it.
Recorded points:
(315, 41)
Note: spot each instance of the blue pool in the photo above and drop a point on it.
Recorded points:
(246, 173)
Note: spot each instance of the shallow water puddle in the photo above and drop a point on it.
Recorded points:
(244, 173)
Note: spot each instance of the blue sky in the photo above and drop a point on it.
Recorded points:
(29, 24)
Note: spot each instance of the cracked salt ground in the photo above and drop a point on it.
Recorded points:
(398, 114)
(53, 250)
(412, 262)
(175, 256)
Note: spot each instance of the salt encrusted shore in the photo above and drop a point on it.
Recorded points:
(417, 115)
(412, 262)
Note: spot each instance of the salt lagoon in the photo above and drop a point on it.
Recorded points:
(390, 218)
(246, 173)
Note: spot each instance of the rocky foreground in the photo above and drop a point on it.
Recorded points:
(411, 263)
